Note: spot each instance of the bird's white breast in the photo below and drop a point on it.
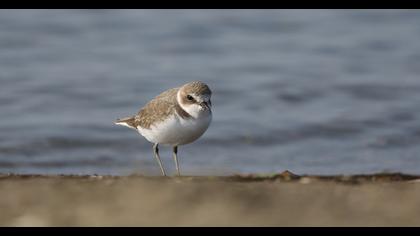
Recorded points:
(177, 131)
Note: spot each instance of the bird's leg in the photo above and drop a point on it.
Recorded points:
(175, 152)
(156, 151)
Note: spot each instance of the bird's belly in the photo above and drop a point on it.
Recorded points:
(176, 131)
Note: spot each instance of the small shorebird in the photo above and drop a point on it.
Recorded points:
(176, 117)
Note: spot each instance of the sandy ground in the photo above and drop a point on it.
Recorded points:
(276, 200)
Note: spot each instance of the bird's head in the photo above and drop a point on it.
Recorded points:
(194, 98)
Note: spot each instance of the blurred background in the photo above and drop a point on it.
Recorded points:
(310, 91)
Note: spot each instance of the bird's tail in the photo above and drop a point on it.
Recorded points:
(127, 121)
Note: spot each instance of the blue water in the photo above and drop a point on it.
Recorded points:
(310, 91)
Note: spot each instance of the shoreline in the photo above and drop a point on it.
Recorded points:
(285, 176)
(285, 199)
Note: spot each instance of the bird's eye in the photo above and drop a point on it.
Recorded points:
(190, 98)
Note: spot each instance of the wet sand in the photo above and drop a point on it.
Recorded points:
(386, 199)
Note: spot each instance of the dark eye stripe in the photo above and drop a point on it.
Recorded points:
(189, 97)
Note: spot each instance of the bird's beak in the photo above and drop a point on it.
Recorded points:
(205, 105)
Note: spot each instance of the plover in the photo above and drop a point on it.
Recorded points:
(176, 117)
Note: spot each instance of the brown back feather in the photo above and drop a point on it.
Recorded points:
(158, 108)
